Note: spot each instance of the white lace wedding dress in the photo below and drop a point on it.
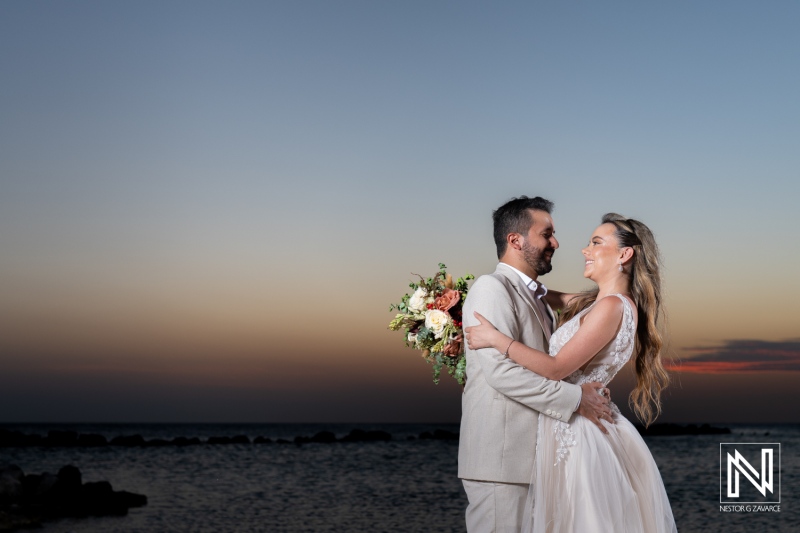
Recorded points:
(585, 481)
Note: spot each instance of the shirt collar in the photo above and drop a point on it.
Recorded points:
(538, 289)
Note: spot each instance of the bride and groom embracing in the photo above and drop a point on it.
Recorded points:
(542, 448)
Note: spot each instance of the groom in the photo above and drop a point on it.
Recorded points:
(502, 400)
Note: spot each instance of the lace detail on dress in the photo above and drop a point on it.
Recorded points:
(602, 368)
(565, 438)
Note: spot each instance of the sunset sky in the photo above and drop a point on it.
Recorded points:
(206, 208)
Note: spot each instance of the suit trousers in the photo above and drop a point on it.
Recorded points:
(494, 507)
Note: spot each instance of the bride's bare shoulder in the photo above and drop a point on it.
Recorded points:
(608, 309)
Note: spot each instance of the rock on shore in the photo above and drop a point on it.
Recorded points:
(669, 430)
(28, 500)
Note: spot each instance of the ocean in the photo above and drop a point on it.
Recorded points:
(405, 484)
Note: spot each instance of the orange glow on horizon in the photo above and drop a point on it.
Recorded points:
(726, 367)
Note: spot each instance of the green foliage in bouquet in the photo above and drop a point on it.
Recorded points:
(431, 318)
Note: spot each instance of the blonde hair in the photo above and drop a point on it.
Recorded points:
(645, 280)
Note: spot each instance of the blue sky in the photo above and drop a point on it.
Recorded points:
(219, 200)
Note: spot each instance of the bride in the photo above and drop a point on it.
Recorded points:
(584, 480)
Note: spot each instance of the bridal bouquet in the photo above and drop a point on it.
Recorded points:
(431, 318)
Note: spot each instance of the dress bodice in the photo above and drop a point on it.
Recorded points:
(605, 365)
(602, 368)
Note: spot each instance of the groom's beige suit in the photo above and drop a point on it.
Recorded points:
(501, 404)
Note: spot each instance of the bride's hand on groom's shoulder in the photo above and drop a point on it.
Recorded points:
(484, 335)
(595, 404)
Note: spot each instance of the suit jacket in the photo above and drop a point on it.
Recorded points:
(502, 400)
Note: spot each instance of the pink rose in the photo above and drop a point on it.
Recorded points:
(448, 299)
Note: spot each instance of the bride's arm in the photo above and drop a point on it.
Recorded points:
(599, 326)
(558, 300)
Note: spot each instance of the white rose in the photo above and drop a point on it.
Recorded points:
(417, 303)
(412, 338)
(435, 321)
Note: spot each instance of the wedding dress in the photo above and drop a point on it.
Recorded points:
(585, 481)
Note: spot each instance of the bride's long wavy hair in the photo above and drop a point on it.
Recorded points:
(645, 279)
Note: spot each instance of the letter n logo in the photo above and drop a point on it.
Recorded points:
(758, 486)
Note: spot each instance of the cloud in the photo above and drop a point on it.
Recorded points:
(741, 356)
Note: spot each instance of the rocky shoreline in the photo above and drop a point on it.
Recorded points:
(61, 439)
(670, 430)
(72, 439)
(27, 500)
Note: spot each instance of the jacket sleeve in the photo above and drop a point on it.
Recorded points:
(557, 399)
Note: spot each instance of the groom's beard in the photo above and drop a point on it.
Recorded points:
(538, 260)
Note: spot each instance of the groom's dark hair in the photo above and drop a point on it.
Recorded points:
(514, 216)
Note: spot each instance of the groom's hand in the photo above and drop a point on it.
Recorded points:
(594, 406)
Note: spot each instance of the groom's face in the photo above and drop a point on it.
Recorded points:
(540, 244)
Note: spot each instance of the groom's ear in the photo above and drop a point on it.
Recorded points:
(514, 240)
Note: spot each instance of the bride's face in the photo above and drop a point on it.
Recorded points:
(602, 255)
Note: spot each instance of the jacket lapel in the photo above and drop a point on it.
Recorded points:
(526, 294)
